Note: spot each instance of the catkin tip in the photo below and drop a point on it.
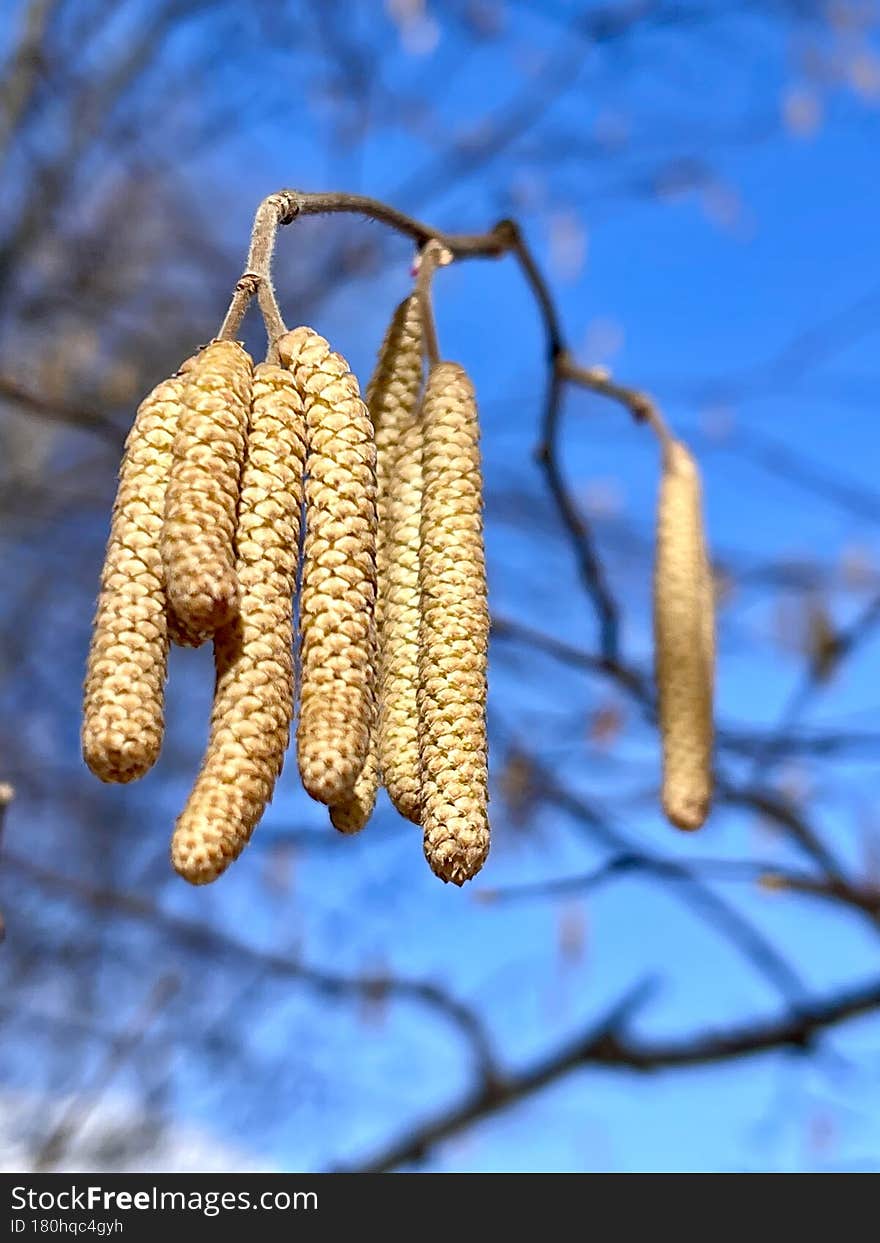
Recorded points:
(686, 811)
(350, 818)
(118, 755)
(329, 768)
(200, 854)
(354, 814)
(210, 598)
(458, 858)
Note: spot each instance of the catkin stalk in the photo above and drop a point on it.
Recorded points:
(200, 506)
(454, 631)
(684, 642)
(123, 710)
(338, 589)
(253, 699)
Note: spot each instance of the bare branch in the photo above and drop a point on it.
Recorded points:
(203, 938)
(504, 238)
(608, 1045)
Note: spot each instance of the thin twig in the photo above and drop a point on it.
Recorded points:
(598, 380)
(202, 937)
(257, 275)
(432, 256)
(608, 1044)
(76, 1114)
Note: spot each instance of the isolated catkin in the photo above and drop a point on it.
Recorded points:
(337, 597)
(454, 631)
(684, 642)
(200, 505)
(253, 698)
(123, 710)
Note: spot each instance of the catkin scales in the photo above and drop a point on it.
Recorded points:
(253, 698)
(203, 487)
(454, 631)
(338, 591)
(684, 639)
(123, 709)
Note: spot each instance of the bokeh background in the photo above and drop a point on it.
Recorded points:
(699, 181)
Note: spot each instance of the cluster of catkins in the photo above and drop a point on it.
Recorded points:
(220, 464)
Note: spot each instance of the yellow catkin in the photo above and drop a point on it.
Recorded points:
(253, 699)
(454, 631)
(338, 590)
(401, 614)
(123, 707)
(123, 710)
(684, 642)
(200, 505)
(181, 635)
(351, 815)
(392, 398)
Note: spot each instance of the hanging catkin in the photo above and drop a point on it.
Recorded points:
(125, 681)
(454, 631)
(400, 621)
(200, 505)
(339, 571)
(351, 815)
(392, 398)
(181, 635)
(684, 642)
(253, 699)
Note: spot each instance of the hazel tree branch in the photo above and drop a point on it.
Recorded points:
(833, 880)
(504, 238)
(204, 938)
(764, 873)
(608, 1044)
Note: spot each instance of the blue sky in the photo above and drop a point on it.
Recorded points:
(689, 295)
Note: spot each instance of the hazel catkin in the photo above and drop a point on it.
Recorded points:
(454, 631)
(124, 698)
(684, 642)
(352, 814)
(253, 700)
(393, 400)
(400, 620)
(338, 589)
(203, 489)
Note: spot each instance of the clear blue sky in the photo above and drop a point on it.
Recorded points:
(692, 295)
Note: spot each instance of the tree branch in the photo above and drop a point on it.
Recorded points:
(504, 238)
(608, 1045)
(213, 940)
